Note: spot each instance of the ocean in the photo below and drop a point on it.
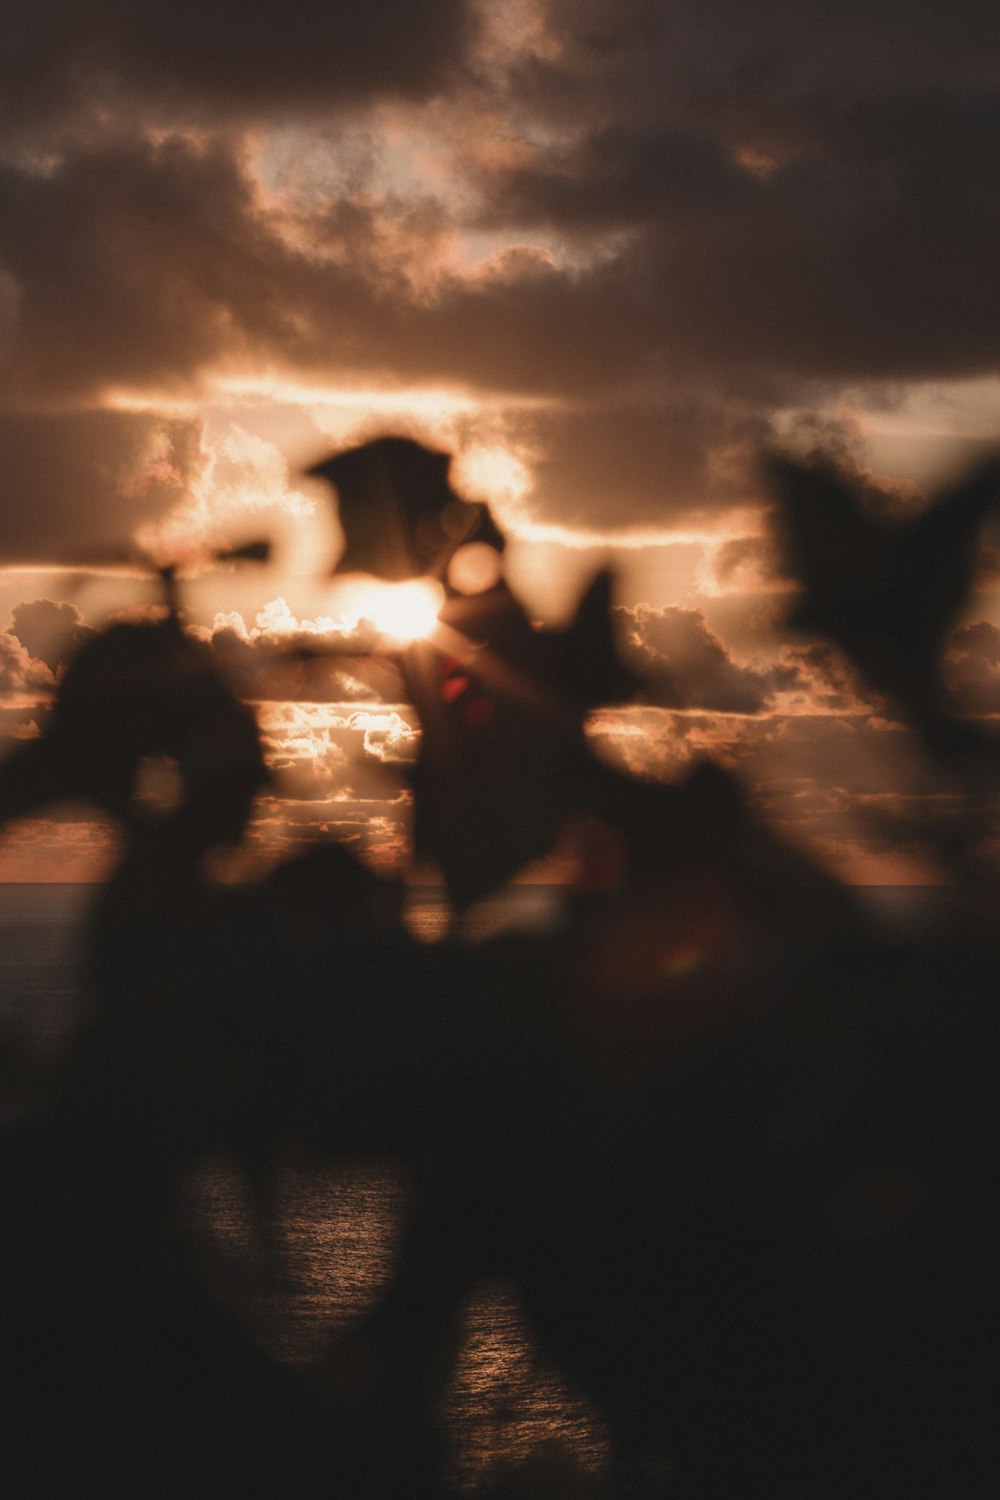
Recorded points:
(337, 1230)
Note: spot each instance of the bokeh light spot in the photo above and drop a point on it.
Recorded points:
(474, 568)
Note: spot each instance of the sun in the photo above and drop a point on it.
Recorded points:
(407, 611)
(402, 612)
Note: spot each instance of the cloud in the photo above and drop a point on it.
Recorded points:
(824, 267)
(138, 263)
(62, 64)
(309, 769)
(20, 721)
(74, 483)
(338, 754)
(19, 672)
(744, 564)
(637, 238)
(670, 269)
(819, 679)
(614, 469)
(378, 831)
(972, 668)
(339, 758)
(141, 264)
(50, 632)
(284, 657)
(262, 668)
(688, 666)
(851, 788)
(66, 848)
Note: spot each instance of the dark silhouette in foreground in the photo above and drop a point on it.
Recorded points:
(734, 1148)
(400, 516)
(888, 592)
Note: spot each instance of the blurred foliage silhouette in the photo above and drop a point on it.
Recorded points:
(732, 1145)
(887, 591)
(400, 516)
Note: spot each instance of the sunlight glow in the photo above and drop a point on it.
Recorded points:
(402, 612)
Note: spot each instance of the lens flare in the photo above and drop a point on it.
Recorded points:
(474, 568)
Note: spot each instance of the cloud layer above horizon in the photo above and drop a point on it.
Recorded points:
(604, 249)
(667, 225)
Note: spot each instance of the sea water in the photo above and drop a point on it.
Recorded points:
(337, 1231)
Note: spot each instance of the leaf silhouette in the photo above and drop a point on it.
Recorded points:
(887, 593)
(400, 516)
(135, 691)
(502, 719)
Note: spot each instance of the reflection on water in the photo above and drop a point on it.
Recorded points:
(337, 1229)
(39, 953)
(527, 908)
(337, 1236)
(506, 1403)
(40, 995)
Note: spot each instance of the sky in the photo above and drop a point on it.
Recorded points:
(602, 250)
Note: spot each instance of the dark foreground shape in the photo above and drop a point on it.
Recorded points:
(735, 1151)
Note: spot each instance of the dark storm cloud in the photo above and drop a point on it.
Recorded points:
(140, 263)
(73, 483)
(869, 253)
(64, 59)
(617, 178)
(729, 209)
(136, 264)
(753, 62)
(686, 665)
(802, 192)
